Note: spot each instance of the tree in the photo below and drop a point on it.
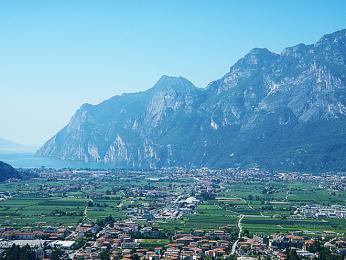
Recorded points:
(246, 233)
(208, 196)
(16, 252)
(104, 255)
(135, 257)
(57, 254)
(315, 247)
(326, 254)
(109, 219)
(291, 254)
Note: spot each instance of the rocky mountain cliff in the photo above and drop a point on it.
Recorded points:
(278, 111)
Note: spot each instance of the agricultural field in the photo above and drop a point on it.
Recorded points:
(152, 243)
(24, 211)
(207, 217)
(267, 225)
(67, 198)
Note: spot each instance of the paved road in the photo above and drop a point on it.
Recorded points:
(85, 213)
(328, 243)
(234, 246)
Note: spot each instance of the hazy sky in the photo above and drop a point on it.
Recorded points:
(57, 55)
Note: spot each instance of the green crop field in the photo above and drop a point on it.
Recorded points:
(152, 243)
(207, 217)
(23, 211)
(272, 225)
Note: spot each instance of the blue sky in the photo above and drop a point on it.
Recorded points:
(57, 55)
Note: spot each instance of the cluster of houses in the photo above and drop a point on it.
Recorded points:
(28, 233)
(276, 246)
(163, 207)
(119, 241)
(6, 195)
(128, 240)
(318, 211)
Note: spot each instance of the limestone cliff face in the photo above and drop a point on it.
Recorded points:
(280, 111)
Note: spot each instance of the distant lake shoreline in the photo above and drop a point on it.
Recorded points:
(31, 160)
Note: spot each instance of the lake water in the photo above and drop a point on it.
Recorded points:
(30, 160)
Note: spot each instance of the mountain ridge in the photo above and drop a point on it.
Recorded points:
(270, 110)
(8, 172)
(10, 146)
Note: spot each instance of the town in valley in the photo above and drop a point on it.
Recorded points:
(173, 213)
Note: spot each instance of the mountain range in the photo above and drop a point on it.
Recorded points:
(9, 146)
(282, 111)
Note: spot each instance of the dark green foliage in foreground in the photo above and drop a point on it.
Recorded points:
(16, 253)
(291, 254)
(107, 220)
(325, 254)
(57, 254)
(105, 255)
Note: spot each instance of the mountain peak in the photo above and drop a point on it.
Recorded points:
(86, 106)
(297, 49)
(257, 57)
(260, 51)
(171, 82)
(337, 39)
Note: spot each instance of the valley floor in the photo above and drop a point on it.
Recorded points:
(175, 214)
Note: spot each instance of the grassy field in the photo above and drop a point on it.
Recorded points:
(207, 217)
(270, 225)
(152, 243)
(24, 211)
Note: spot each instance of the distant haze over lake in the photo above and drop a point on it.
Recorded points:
(30, 160)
